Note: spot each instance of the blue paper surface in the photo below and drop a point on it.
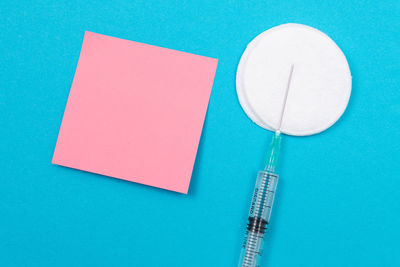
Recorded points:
(338, 197)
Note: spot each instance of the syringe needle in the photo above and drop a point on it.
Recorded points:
(285, 98)
(274, 148)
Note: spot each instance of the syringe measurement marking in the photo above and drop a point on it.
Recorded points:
(262, 195)
(251, 252)
(260, 210)
(260, 203)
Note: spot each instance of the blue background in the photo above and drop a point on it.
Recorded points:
(338, 199)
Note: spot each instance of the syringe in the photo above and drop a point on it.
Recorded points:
(263, 198)
(261, 206)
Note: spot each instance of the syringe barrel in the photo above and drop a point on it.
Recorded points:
(260, 212)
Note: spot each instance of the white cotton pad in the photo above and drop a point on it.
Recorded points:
(320, 86)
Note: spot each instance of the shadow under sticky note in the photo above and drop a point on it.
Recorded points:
(135, 112)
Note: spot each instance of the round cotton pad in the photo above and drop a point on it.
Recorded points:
(320, 85)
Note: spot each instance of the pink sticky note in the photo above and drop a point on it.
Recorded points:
(135, 112)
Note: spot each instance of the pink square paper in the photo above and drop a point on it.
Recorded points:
(135, 112)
